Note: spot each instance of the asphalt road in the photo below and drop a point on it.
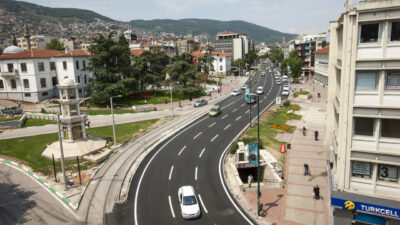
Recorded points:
(193, 157)
(24, 201)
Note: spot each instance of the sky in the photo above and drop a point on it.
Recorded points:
(290, 16)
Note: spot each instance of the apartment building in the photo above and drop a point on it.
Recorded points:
(234, 43)
(307, 45)
(321, 65)
(222, 61)
(184, 46)
(36, 42)
(363, 117)
(32, 76)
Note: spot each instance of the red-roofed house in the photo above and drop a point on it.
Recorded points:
(32, 75)
(321, 65)
(221, 63)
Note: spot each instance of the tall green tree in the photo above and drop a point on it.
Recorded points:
(55, 44)
(1, 51)
(276, 54)
(187, 57)
(182, 72)
(205, 63)
(111, 66)
(295, 63)
(251, 57)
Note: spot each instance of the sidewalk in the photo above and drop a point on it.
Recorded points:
(163, 110)
(295, 203)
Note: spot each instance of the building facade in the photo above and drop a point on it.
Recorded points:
(321, 65)
(363, 117)
(32, 76)
(236, 44)
(221, 63)
(36, 42)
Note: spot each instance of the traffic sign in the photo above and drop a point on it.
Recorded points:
(283, 148)
(278, 100)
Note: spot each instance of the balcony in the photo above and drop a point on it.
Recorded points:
(10, 75)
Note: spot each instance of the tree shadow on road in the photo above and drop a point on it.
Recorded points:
(14, 204)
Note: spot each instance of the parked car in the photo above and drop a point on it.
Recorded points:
(190, 208)
(200, 102)
(235, 92)
(12, 110)
(245, 86)
(215, 111)
(285, 93)
(278, 81)
(260, 90)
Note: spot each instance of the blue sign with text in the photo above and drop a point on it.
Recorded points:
(365, 207)
(253, 153)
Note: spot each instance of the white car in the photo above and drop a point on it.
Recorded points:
(188, 201)
(235, 92)
(200, 102)
(263, 73)
(286, 88)
(285, 93)
(260, 90)
(278, 81)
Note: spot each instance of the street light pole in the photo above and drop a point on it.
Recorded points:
(172, 105)
(258, 156)
(61, 151)
(112, 113)
(250, 100)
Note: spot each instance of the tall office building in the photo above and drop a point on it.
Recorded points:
(363, 119)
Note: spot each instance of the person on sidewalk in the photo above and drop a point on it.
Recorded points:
(88, 123)
(316, 192)
(250, 180)
(306, 170)
(316, 135)
(304, 131)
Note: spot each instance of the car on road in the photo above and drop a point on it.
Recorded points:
(215, 111)
(285, 93)
(260, 90)
(286, 88)
(190, 208)
(278, 81)
(235, 92)
(245, 86)
(200, 102)
(263, 73)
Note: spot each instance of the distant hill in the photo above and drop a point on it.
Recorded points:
(211, 28)
(37, 13)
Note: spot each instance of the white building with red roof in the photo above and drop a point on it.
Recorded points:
(222, 61)
(321, 65)
(32, 76)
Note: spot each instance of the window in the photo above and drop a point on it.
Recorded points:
(395, 34)
(13, 84)
(388, 173)
(392, 81)
(65, 65)
(85, 78)
(79, 78)
(390, 128)
(77, 64)
(26, 83)
(361, 169)
(364, 126)
(220, 68)
(43, 82)
(1, 84)
(369, 33)
(45, 93)
(220, 59)
(54, 81)
(366, 81)
(23, 67)
(10, 67)
(27, 94)
(41, 66)
(52, 66)
(84, 64)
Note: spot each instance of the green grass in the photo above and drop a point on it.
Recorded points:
(106, 111)
(29, 149)
(297, 93)
(37, 122)
(150, 100)
(4, 119)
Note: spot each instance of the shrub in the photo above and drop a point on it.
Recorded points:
(42, 110)
(286, 103)
(248, 140)
(281, 127)
(234, 147)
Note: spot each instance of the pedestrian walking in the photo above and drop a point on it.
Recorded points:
(250, 180)
(316, 192)
(19, 105)
(88, 106)
(304, 131)
(316, 135)
(306, 169)
(88, 123)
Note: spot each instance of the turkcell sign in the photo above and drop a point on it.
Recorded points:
(247, 91)
(253, 153)
(368, 208)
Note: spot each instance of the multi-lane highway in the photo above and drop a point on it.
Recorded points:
(193, 157)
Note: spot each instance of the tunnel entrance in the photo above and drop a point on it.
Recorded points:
(245, 172)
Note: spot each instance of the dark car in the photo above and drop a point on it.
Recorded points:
(12, 110)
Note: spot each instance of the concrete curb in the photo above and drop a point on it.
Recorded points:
(43, 182)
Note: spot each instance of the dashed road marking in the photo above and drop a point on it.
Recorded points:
(238, 118)
(170, 205)
(170, 172)
(247, 111)
(212, 124)
(227, 127)
(197, 135)
(234, 110)
(202, 203)
(224, 116)
(195, 174)
(201, 153)
(242, 105)
(214, 138)
(180, 152)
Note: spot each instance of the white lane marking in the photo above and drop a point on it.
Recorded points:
(227, 127)
(247, 111)
(214, 138)
(234, 110)
(254, 106)
(197, 135)
(212, 124)
(180, 152)
(170, 205)
(228, 105)
(224, 116)
(238, 118)
(242, 105)
(265, 97)
(148, 164)
(202, 204)
(261, 101)
(170, 172)
(201, 153)
(195, 174)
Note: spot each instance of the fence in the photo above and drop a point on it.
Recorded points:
(41, 116)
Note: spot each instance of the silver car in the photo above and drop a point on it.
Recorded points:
(200, 102)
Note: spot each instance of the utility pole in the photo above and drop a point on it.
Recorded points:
(250, 100)
(258, 157)
(112, 113)
(61, 151)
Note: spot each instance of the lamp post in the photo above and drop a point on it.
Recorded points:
(258, 158)
(172, 105)
(61, 151)
(112, 113)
